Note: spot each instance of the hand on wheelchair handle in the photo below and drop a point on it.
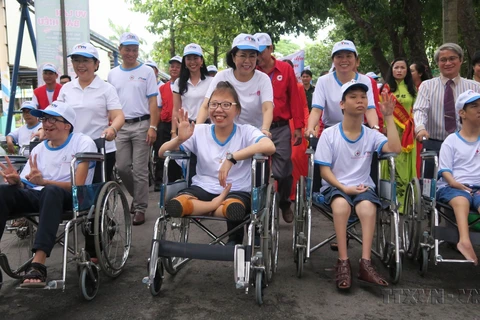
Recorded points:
(309, 134)
(422, 135)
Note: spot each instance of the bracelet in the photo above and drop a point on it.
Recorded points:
(153, 127)
(115, 130)
(173, 132)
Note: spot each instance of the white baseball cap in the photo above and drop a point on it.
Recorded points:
(57, 109)
(49, 67)
(372, 75)
(344, 45)
(28, 105)
(193, 48)
(245, 41)
(175, 59)
(212, 68)
(129, 38)
(151, 63)
(264, 41)
(466, 97)
(85, 49)
(353, 84)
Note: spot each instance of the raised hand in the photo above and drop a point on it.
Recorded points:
(35, 176)
(387, 105)
(9, 172)
(185, 128)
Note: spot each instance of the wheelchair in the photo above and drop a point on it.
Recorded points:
(254, 263)
(422, 229)
(100, 210)
(387, 241)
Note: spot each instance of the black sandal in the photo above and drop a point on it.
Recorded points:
(36, 271)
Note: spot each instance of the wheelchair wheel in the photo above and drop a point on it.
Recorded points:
(384, 229)
(274, 230)
(112, 229)
(174, 229)
(16, 247)
(423, 260)
(299, 237)
(152, 163)
(89, 282)
(158, 279)
(395, 269)
(266, 246)
(411, 221)
(259, 287)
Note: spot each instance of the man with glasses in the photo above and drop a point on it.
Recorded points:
(434, 108)
(22, 135)
(137, 89)
(44, 185)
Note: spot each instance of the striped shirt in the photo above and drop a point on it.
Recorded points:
(428, 110)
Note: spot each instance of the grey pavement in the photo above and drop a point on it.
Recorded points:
(206, 289)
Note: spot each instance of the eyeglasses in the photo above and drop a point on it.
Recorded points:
(225, 105)
(51, 120)
(245, 57)
(449, 59)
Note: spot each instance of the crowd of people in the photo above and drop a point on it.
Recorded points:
(256, 105)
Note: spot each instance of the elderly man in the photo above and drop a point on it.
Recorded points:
(434, 109)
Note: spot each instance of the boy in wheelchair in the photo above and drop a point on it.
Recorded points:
(459, 169)
(344, 155)
(44, 185)
(222, 183)
(22, 136)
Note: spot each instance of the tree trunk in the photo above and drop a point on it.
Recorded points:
(450, 22)
(172, 39)
(415, 33)
(468, 24)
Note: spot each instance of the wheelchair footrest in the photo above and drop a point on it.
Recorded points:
(196, 251)
(451, 235)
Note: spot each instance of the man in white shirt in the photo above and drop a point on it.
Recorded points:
(22, 135)
(137, 89)
(44, 185)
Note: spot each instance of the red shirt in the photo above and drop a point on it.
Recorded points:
(285, 94)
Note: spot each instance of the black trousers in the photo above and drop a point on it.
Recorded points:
(50, 202)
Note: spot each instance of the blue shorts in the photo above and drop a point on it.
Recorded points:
(369, 195)
(445, 194)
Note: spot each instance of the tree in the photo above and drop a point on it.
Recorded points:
(118, 31)
(286, 47)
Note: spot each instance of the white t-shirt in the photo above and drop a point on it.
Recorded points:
(349, 160)
(54, 163)
(461, 158)
(91, 106)
(193, 98)
(134, 87)
(252, 94)
(210, 159)
(159, 97)
(328, 94)
(24, 134)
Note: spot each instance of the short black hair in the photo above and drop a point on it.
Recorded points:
(66, 76)
(307, 72)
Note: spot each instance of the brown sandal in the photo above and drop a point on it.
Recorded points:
(368, 274)
(343, 274)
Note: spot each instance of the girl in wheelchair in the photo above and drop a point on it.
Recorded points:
(344, 155)
(222, 184)
(459, 169)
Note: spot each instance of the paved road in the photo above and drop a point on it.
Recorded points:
(205, 289)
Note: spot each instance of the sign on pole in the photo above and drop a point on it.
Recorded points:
(49, 32)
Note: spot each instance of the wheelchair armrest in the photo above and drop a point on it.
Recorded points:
(260, 157)
(14, 159)
(90, 156)
(428, 154)
(387, 155)
(177, 154)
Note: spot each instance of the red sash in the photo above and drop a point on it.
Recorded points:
(42, 98)
(404, 120)
(167, 102)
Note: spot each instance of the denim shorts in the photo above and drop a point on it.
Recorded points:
(445, 194)
(369, 195)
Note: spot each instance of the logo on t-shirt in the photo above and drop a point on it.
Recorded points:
(279, 77)
(357, 153)
(477, 152)
(132, 77)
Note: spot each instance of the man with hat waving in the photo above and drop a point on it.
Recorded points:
(137, 89)
(44, 185)
(287, 106)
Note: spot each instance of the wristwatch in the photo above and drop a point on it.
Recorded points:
(376, 127)
(230, 158)
(153, 127)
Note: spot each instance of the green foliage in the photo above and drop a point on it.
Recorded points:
(317, 56)
(286, 47)
(118, 31)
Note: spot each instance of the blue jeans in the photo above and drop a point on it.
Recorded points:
(50, 202)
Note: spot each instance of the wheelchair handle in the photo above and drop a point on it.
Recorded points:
(260, 157)
(177, 154)
(385, 156)
(14, 159)
(90, 156)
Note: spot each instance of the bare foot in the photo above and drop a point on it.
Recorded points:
(221, 197)
(467, 250)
